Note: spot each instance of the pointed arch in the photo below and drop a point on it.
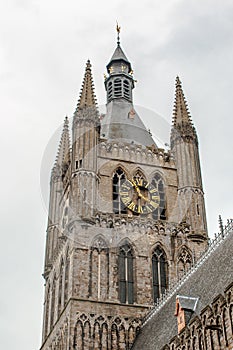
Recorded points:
(60, 288)
(114, 338)
(52, 303)
(126, 273)
(99, 268)
(184, 261)
(96, 337)
(47, 304)
(139, 175)
(159, 272)
(131, 335)
(158, 183)
(66, 279)
(78, 336)
(86, 335)
(118, 178)
(225, 323)
(122, 337)
(104, 332)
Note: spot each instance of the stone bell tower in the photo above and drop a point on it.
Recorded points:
(126, 218)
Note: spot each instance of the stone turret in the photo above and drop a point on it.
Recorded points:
(184, 145)
(58, 175)
(84, 151)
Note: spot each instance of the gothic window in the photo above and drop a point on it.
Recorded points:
(201, 342)
(52, 309)
(60, 288)
(47, 311)
(99, 269)
(231, 316)
(117, 88)
(160, 212)
(184, 262)
(109, 90)
(126, 89)
(126, 280)
(224, 321)
(66, 286)
(219, 332)
(118, 179)
(159, 272)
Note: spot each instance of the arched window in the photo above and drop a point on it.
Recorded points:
(46, 319)
(52, 309)
(60, 288)
(117, 88)
(126, 280)
(109, 91)
(66, 286)
(184, 262)
(126, 89)
(99, 269)
(118, 179)
(159, 272)
(160, 212)
(224, 321)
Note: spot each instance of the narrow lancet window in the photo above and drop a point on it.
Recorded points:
(118, 179)
(160, 212)
(159, 272)
(126, 280)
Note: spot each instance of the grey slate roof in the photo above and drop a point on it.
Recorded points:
(117, 126)
(119, 55)
(206, 283)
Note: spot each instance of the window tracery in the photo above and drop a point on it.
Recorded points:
(126, 278)
(184, 262)
(159, 272)
(118, 179)
(160, 212)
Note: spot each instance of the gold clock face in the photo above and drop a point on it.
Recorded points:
(139, 196)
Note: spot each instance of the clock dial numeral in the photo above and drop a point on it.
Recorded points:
(154, 204)
(132, 206)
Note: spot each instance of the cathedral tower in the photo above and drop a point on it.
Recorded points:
(118, 234)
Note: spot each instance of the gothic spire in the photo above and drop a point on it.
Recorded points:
(87, 96)
(181, 114)
(63, 154)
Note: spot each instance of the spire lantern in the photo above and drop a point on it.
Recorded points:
(119, 83)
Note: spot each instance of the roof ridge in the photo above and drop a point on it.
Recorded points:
(213, 244)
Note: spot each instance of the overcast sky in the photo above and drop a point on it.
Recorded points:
(44, 46)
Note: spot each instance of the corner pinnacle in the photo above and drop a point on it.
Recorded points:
(63, 154)
(181, 114)
(87, 96)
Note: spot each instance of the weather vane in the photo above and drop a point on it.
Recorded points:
(118, 28)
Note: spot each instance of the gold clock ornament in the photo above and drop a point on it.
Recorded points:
(139, 196)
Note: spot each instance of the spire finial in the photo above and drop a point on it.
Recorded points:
(87, 96)
(180, 112)
(118, 28)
